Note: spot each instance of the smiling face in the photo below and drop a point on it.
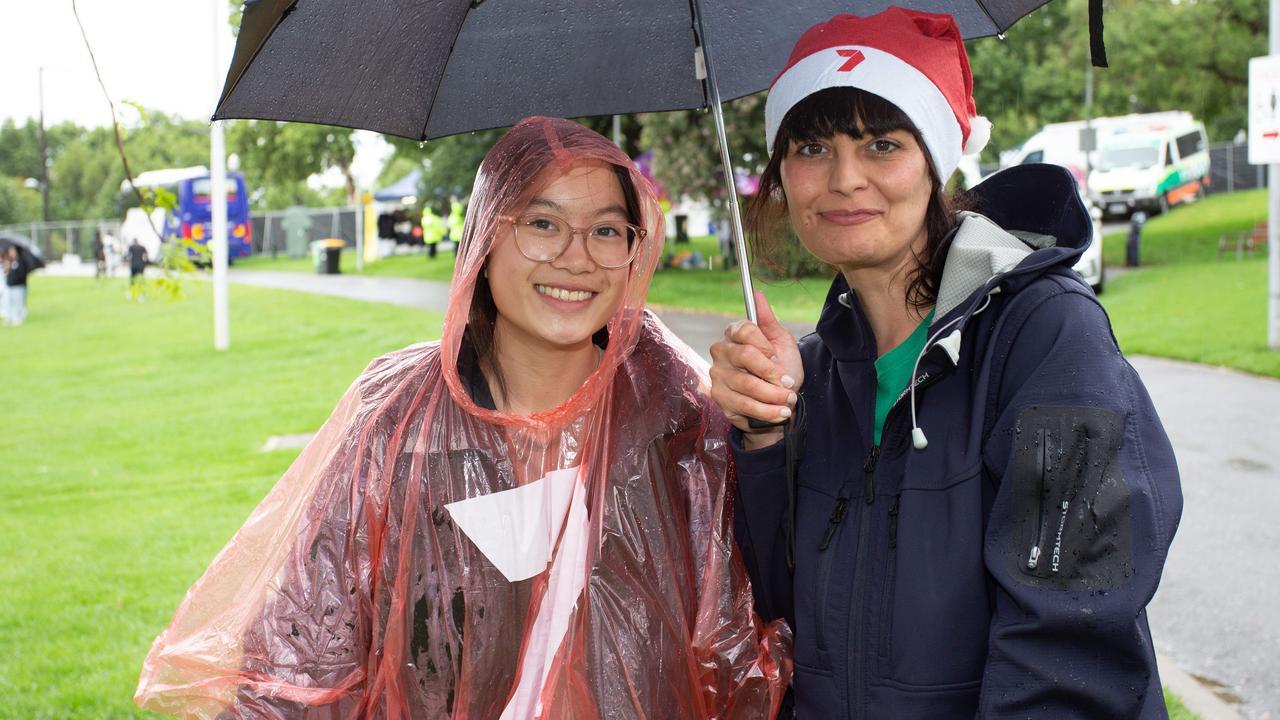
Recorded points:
(559, 305)
(859, 203)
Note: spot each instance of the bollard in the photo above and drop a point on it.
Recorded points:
(1135, 235)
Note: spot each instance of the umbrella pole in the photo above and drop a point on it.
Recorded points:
(735, 215)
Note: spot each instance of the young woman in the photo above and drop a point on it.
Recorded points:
(526, 519)
(973, 499)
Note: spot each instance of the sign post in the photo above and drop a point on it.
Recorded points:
(1264, 149)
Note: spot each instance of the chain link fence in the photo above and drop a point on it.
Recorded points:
(1229, 169)
(269, 229)
(74, 238)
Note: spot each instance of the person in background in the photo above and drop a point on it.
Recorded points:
(15, 278)
(4, 287)
(99, 256)
(137, 267)
(111, 252)
(433, 230)
(457, 216)
(973, 499)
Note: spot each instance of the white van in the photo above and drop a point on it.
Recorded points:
(1151, 166)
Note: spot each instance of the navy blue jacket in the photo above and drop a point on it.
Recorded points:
(1002, 571)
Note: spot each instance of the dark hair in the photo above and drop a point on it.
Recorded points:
(484, 312)
(858, 114)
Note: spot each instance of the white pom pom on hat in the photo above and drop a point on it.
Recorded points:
(915, 60)
(979, 135)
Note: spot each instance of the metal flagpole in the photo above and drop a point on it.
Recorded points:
(218, 194)
(707, 73)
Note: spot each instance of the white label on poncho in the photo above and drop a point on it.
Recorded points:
(516, 529)
(564, 588)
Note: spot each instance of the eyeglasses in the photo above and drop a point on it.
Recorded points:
(610, 244)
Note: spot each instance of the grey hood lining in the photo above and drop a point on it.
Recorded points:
(981, 250)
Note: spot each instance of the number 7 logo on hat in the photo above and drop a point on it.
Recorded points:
(854, 58)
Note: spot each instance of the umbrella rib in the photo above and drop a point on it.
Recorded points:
(994, 23)
(226, 91)
(444, 71)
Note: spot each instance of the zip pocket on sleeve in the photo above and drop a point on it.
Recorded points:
(1069, 506)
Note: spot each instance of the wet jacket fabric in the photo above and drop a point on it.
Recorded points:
(1003, 570)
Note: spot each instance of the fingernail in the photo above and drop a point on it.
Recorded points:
(791, 399)
(786, 412)
(788, 381)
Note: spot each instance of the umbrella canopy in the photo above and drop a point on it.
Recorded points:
(28, 253)
(427, 70)
(431, 69)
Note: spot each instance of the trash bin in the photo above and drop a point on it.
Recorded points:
(327, 255)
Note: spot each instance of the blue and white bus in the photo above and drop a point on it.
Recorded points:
(191, 217)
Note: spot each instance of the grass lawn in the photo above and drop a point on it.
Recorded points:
(1189, 233)
(130, 456)
(1213, 313)
(1177, 711)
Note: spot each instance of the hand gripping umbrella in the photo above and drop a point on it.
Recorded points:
(430, 69)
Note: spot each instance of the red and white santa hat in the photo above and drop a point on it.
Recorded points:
(915, 60)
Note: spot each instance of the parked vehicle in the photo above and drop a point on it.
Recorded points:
(190, 219)
(1151, 166)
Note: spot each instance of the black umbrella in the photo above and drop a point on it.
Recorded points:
(28, 253)
(430, 69)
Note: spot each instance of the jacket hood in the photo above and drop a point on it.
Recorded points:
(1029, 220)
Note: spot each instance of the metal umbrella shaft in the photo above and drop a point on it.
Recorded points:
(735, 215)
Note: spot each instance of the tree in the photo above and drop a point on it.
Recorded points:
(1164, 55)
(448, 164)
(686, 152)
(18, 203)
(278, 157)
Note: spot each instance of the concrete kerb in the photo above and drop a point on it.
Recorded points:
(1193, 693)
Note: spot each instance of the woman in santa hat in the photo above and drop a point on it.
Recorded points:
(968, 499)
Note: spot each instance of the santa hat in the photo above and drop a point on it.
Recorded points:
(915, 60)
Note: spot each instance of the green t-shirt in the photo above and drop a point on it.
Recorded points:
(893, 371)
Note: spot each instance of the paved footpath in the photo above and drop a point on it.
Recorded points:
(1215, 615)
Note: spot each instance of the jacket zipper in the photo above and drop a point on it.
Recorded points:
(855, 649)
(1042, 461)
(824, 576)
(855, 619)
(886, 624)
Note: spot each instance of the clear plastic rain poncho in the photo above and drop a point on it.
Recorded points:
(426, 557)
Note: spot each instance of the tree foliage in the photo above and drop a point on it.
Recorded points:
(85, 171)
(278, 157)
(686, 151)
(1164, 55)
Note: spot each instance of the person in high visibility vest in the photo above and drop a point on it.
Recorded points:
(456, 216)
(433, 229)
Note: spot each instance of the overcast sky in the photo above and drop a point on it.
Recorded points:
(157, 53)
